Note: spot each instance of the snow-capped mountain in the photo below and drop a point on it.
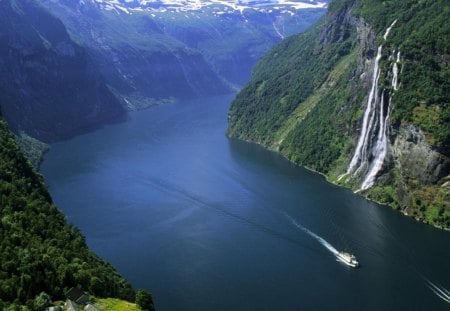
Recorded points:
(152, 51)
(219, 6)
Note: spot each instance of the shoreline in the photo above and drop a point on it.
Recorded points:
(328, 180)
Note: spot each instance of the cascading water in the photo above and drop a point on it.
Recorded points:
(369, 156)
(380, 150)
(388, 30)
(367, 123)
(395, 73)
(278, 31)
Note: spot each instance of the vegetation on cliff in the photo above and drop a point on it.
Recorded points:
(39, 251)
(307, 97)
(422, 35)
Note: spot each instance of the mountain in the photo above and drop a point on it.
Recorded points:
(68, 67)
(363, 97)
(128, 6)
(232, 39)
(49, 86)
(158, 51)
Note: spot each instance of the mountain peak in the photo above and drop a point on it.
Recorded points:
(128, 6)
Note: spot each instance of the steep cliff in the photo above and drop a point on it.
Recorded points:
(140, 63)
(363, 97)
(49, 87)
(232, 41)
(157, 52)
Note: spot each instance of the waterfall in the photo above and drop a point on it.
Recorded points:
(277, 30)
(395, 73)
(370, 156)
(380, 150)
(367, 123)
(388, 30)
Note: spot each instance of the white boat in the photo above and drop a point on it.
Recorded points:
(348, 259)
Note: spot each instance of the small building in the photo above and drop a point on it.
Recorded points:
(78, 296)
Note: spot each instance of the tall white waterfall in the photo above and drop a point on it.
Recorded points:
(380, 149)
(361, 147)
(369, 155)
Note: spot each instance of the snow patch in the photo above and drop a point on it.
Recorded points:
(284, 6)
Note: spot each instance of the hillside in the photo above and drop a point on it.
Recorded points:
(71, 67)
(39, 251)
(50, 88)
(154, 52)
(363, 97)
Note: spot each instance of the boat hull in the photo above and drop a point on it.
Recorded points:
(351, 262)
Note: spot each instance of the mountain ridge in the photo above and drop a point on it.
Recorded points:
(154, 56)
(222, 6)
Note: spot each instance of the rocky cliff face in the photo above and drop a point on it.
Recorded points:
(422, 176)
(49, 87)
(359, 100)
(415, 158)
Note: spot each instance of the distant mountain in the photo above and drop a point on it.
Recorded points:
(219, 6)
(363, 97)
(158, 51)
(49, 87)
(67, 67)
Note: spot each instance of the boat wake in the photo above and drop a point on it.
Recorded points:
(440, 291)
(321, 240)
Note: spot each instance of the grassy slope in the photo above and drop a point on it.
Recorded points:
(114, 304)
(284, 78)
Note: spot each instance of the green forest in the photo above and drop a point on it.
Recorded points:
(422, 35)
(39, 251)
(305, 99)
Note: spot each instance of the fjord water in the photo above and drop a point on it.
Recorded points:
(209, 223)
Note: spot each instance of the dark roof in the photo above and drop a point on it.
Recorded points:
(77, 295)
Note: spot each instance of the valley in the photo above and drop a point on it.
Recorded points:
(210, 223)
(219, 154)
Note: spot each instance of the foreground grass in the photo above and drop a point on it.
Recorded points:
(113, 304)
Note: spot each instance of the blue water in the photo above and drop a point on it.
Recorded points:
(209, 223)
